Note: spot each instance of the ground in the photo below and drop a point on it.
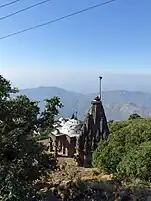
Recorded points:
(68, 170)
(68, 174)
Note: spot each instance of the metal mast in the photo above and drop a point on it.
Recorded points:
(77, 107)
(100, 87)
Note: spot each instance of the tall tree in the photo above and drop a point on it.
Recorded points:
(22, 159)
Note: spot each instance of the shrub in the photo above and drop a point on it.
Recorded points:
(137, 163)
(127, 151)
(134, 116)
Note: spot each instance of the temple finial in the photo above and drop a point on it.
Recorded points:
(73, 116)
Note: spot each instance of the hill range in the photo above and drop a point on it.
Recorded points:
(118, 104)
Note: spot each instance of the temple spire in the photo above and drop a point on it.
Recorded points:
(73, 116)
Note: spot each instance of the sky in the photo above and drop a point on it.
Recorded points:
(113, 41)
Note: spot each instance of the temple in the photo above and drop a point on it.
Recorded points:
(76, 139)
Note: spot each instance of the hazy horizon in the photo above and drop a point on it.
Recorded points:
(83, 81)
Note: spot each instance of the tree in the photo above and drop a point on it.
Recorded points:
(47, 118)
(22, 159)
(127, 151)
(134, 116)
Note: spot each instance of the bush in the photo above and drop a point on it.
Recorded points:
(137, 163)
(134, 116)
(127, 151)
(43, 135)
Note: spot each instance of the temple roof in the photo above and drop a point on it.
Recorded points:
(71, 127)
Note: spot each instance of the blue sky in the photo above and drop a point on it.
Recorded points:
(113, 41)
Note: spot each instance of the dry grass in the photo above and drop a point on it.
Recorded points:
(68, 174)
(68, 171)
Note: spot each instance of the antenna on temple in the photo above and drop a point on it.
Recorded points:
(100, 88)
(76, 113)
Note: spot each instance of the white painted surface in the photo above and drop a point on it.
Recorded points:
(70, 127)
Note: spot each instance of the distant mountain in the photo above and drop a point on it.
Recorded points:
(118, 105)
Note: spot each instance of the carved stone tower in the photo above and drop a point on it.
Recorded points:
(95, 128)
(100, 128)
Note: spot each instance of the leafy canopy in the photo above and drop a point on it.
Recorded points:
(127, 151)
(22, 159)
(134, 116)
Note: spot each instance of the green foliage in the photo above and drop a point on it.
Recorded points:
(5, 88)
(134, 116)
(44, 134)
(97, 157)
(127, 151)
(137, 163)
(50, 111)
(22, 158)
(47, 119)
